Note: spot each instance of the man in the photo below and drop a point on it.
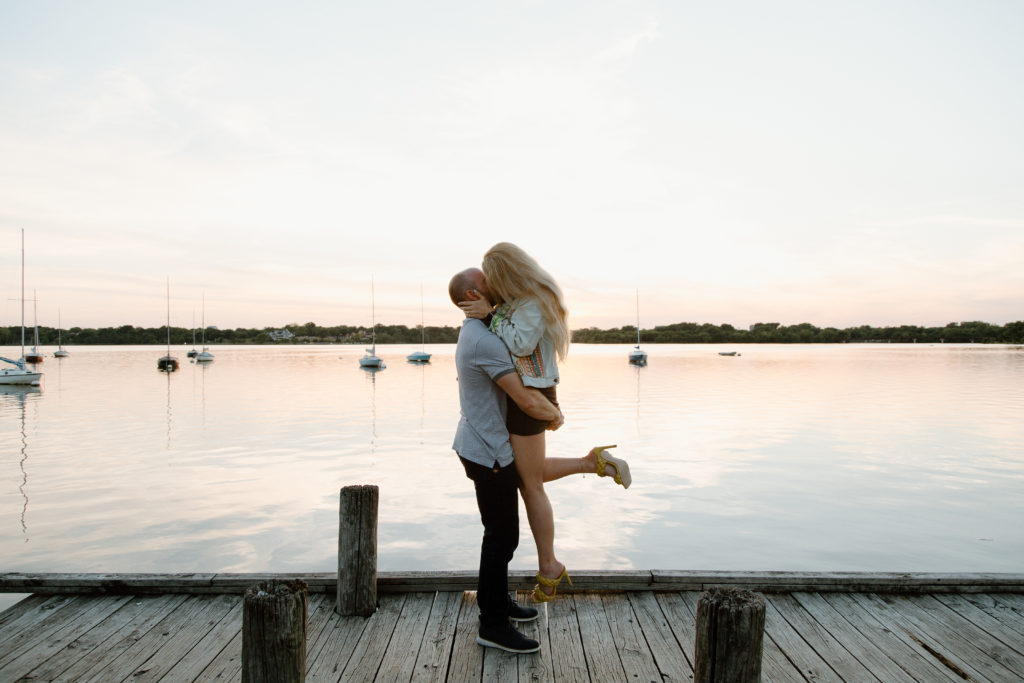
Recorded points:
(486, 375)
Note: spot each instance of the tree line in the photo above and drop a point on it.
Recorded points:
(677, 333)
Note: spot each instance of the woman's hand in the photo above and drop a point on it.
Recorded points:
(478, 308)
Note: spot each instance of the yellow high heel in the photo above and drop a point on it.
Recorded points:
(622, 476)
(541, 596)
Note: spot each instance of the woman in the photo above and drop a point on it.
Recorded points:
(531, 318)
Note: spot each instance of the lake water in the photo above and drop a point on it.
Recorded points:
(848, 457)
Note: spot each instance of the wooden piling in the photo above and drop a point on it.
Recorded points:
(274, 632)
(729, 636)
(357, 551)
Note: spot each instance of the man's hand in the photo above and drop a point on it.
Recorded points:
(556, 423)
(478, 308)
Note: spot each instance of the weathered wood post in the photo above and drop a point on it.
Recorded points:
(357, 551)
(730, 635)
(274, 632)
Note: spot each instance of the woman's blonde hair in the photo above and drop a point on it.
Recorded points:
(513, 274)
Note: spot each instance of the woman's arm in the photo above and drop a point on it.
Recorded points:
(520, 325)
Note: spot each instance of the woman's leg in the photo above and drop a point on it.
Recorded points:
(556, 468)
(529, 453)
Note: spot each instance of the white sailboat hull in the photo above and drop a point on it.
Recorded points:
(16, 376)
(371, 362)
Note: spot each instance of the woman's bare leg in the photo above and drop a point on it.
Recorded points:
(529, 454)
(556, 468)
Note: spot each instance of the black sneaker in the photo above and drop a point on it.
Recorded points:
(504, 637)
(518, 613)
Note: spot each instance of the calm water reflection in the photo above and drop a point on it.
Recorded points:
(850, 457)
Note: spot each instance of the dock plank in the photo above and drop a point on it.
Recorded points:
(806, 660)
(895, 642)
(20, 608)
(436, 649)
(925, 645)
(681, 620)
(467, 663)
(949, 622)
(1000, 630)
(500, 666)
(97, 636)
(536, 667)
(126, 631)
(635, 655)
(599, 649)
(570, 665)
(38, 623)
(1000, 608)
(193, 663)
(132, 658)
(667, 652)
(380, 626)
(338, 640)
(845, 665)
(775, 666)
(400, 657)
(184, 637)
(868, 648)
(56, 643)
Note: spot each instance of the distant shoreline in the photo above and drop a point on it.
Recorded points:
(677, 333)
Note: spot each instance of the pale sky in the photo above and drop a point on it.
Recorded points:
(838, 163)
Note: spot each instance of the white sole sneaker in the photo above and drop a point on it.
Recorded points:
(488, 643)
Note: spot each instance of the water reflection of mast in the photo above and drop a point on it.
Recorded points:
(168, 411)
(372, 371)
(423, 400)
(24, 472)
(202, 390)
(636, 367)
(21, 393)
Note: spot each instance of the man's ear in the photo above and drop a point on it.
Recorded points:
(472, 295)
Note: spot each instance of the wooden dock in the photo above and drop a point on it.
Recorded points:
(818, 628)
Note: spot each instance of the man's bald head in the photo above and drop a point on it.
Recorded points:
(461, 284)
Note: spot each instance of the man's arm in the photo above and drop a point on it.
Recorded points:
(529, 400)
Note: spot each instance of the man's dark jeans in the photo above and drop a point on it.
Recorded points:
(497, 496)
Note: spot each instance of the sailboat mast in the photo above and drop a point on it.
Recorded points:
(59, 345)
(373, 319)
(638, 317)
(168, 317)
(423, 329)
(204, 321)
(35, 321)
(23, 293)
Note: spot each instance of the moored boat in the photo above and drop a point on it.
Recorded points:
(168, 363)
(371, 360)
(420, 356)
(17, 373)
(637, 356)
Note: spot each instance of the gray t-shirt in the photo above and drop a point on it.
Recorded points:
(480, 360)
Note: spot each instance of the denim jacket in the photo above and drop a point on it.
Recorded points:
(520, 324)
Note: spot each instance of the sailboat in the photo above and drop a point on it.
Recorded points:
(34, 356)
(204, 356)
(168, 363)
(420, 356)
(370, 360)
(636, 354)
(192, 353)
(60, 352)
(18, 373)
